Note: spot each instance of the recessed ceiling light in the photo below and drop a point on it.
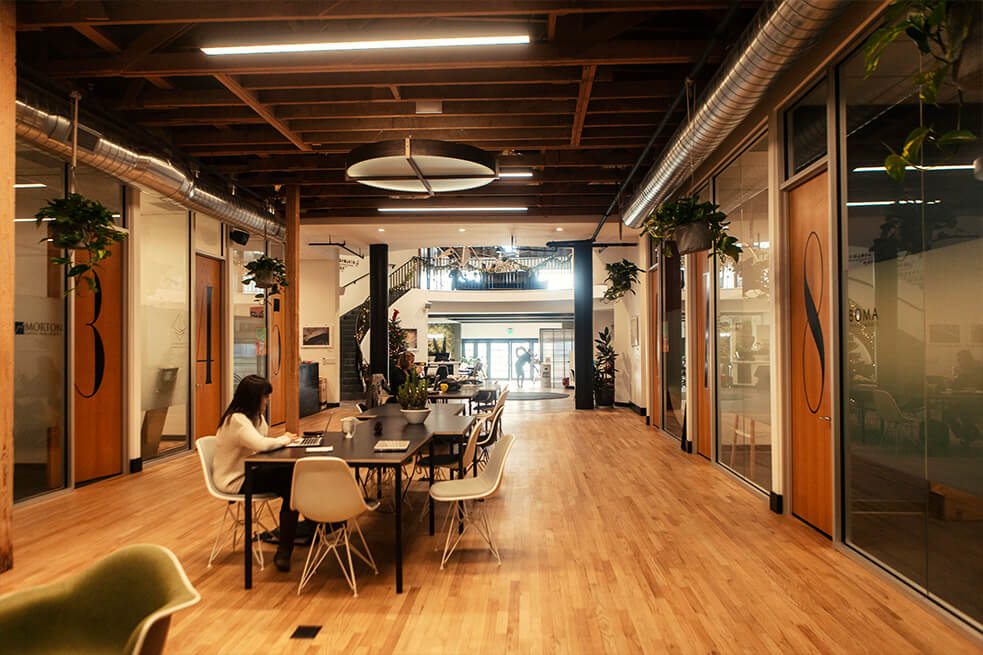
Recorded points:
(515, 174)
(559, 229)
(382, 229)
(334, 46)
(453, 209)
(30, 185)
(460, 229)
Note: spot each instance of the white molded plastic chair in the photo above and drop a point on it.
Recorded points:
(325, 491)
(494, 426)
(206, 453)
(462, 494)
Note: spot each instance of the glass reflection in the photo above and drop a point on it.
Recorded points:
(248, 315)
(674, 344)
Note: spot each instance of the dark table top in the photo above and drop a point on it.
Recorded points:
(466, 392)
(393, 410)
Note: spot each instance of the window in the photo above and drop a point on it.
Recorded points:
(248, 314)
(744, 320)
(805, 130)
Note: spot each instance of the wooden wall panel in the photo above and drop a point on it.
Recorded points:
(8, 89)
(98, 388)
(291, 316)
(274, 345)
(701, 348)
(809, 322)
(208, 348)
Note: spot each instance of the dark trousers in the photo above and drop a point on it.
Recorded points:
(278, 481)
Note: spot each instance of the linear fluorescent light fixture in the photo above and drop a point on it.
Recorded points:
(339, 46)
(881, 203)
(32, 220)
(516, 174)
(942, 167)
(30, 185)
(452, 209)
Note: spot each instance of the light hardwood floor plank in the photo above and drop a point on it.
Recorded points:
(612, 541)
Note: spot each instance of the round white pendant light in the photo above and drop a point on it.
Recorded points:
(420, 166)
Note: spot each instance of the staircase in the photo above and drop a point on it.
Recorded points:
(401, 280)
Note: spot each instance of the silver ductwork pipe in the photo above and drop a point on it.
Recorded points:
(780, 33)
(52, 132)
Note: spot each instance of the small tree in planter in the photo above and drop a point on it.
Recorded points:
(397, 338)
(693, 226)
(604, 368)
(621, 275)
(75, 223)
(267, 273)
(412, 397)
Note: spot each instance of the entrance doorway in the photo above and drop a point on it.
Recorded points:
(809, 321)
(208, 345)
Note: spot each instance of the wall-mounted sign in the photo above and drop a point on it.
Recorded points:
(38, 328)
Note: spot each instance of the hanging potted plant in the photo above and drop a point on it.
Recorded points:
(412, 397)
(692, 226)
(267, 273)
(621, 275)
(75, 223)
(604, 369)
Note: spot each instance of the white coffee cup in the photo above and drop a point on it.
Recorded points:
(348, 426)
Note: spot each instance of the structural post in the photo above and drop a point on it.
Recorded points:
(8, 93)
(583, 324)
(379, 309)
(291, 315)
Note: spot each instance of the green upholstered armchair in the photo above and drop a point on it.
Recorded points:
(122, 605)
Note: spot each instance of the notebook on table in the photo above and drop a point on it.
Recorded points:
(390, 445)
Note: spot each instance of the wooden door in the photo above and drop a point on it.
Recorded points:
(278, 401)
(701, 387)
(809, 322)
(98, 408)
(208, 345)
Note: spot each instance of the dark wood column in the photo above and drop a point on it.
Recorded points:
(379, 309)
(583, 323)
(291, 315)
(8, 86)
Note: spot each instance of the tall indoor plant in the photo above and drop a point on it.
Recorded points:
(267, 273)
(621, 276)
(76, 223)
(692, 226)
(604, 368)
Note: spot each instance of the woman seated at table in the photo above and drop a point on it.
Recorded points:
(404, 364)
(241, 433)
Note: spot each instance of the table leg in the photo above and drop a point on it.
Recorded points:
(430, 498)
(460, 475)
(398, 470)
(247, 543)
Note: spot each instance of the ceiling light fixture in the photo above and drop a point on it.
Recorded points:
(336, 46)
(30, 185)
(32, 220)
(420, 166)
(944, 167)
(881, 203)
(452, 209)
(461, 229)
(515, 174)
(559, 229)
(382, 229)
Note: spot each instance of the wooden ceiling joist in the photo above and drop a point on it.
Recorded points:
(583, 99)
(250, 99)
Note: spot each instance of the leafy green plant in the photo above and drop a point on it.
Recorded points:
(939, 29)
(76, 223)
(412, 394)
(604, 362)
(672, 215)
(621, 275)
(267, 272)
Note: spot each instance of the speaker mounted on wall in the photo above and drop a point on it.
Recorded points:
(240, 237)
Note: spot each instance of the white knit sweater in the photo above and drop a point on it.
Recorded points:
(237, 439)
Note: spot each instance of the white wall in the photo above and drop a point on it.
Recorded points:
(318, 308)
(413, 314)
(501, 330)
(356, 294)
(630, 381)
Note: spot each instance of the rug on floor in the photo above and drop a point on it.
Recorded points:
(535, 395)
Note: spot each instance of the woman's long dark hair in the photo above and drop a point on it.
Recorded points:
(247, 398)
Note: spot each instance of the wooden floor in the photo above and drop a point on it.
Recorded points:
(612, 540)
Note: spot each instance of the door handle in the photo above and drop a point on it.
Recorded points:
(825, 418)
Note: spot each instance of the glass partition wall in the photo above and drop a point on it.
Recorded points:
(743, 320)
(913, 334)
(248, 314)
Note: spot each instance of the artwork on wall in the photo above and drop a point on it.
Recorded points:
(634, 332)
(411, 343)
(317, 337)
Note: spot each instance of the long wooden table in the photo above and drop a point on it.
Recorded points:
(359, 451)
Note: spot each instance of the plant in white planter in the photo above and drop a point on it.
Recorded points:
(75, 223)
(267, 273)
(692, 226)
(412, 397)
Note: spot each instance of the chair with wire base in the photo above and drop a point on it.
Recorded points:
(325, 491)
(234, 517)
(464, 512)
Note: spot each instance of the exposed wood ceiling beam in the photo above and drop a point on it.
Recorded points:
(592, 204)
(494, 191)
(583, 99)
(337, 176)
(374, 217)
(93, 34)
(150, 40)
(518, 56)
(494, 145)
(250, 99)
(549, 75)
(31, 16)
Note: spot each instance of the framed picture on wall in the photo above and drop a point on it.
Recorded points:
(634, 331)
(315, 337)
(411, 338)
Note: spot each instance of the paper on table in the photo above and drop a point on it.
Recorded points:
(319, 449)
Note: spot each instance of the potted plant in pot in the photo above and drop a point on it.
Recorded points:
(412, 397)
(267, 273)
(604, 369)
(621, 275)
(692, 226)
(76, 223)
